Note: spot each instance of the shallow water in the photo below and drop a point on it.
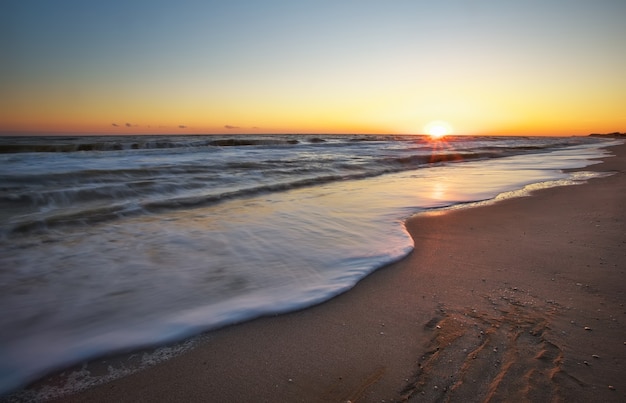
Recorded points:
(81, 288)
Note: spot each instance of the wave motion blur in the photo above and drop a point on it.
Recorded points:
(111, 243)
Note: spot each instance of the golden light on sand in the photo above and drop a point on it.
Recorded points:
(438, 129)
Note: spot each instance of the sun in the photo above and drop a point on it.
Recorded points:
(437, 132)
(438, 129)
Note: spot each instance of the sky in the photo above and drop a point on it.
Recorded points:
(545, 67)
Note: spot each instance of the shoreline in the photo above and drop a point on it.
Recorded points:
(493, 302)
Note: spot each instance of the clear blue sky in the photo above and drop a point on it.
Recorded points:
(510, 67)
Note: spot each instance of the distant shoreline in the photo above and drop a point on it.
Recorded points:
(610, 135)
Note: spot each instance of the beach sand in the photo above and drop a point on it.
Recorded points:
(522, 300)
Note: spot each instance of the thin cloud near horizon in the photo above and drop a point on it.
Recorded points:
(148, 126)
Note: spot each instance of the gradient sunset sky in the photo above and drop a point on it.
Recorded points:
(545, 67)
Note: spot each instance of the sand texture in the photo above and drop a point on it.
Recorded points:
(522, 300)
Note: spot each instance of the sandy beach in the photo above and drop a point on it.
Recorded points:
(522, 300)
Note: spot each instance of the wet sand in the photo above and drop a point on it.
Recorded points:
(522, 300)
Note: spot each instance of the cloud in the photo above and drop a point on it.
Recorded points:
(129, 125)
(182, 126)
(115, 125)
(229, 127)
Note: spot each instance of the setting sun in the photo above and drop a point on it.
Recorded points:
(438, 129)
(202, 69)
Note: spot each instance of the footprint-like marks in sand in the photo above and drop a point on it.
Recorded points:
(498, 352)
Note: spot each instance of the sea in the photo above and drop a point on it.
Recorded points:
(112, 244)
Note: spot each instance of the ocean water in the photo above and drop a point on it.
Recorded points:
(110, 244)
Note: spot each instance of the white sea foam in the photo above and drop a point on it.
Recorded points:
(76, 292)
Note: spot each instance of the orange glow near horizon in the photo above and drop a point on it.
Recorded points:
(310, 119)
(218, 69)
